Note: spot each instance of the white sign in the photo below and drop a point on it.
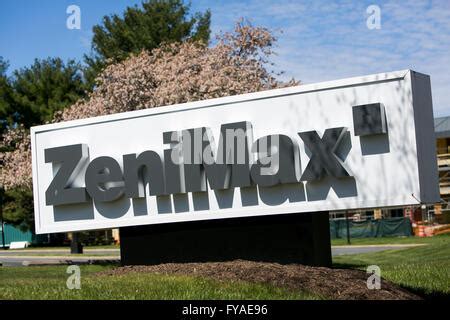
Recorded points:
(361, 142)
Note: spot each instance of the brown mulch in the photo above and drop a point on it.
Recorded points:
(327, 282)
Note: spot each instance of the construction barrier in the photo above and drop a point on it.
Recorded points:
(421, 230)
(14, 234)
(371, 228)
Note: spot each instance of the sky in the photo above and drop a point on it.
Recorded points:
(318, 40)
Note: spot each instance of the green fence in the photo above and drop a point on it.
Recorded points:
(371, 228)
(338, 229)
(15, 234)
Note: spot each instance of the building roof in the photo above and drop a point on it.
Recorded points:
(442, 127)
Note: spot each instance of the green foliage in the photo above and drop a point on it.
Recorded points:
(6, 98)
(45, 87)
(156, 22)
(424, 269)
(95, 238)
(50, 283)
(18, 208)
(443, 218)
(33, 94)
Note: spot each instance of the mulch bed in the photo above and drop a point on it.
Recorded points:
(329, 283)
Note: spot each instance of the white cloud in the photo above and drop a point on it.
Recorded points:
(323, 40)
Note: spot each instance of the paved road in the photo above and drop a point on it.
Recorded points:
(62, 256)
(57, 252)
(34, 260)
(56, 256)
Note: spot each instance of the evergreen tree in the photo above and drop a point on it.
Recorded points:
(45, 87)
(6, 98)
(157, 21)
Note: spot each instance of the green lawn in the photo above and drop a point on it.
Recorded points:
(384, 240)
(424, 270)
(49, 282)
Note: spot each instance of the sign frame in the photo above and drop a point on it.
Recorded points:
(416, 87)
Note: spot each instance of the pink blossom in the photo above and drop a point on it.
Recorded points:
(174, 73)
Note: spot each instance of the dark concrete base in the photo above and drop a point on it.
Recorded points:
(289, 238)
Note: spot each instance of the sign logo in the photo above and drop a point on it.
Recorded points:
(348, 144)
(192, 161)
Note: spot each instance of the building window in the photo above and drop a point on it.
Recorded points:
(396, 213)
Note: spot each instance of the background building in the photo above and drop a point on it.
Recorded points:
(442, 129)
(363, 222)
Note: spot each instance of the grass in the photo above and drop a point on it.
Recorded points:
(424, 270)
(49, 282)
(384, 240)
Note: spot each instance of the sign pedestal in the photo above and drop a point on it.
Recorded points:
(302, 238)
(75, 246)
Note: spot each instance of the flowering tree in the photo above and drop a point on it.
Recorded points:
(173, 73)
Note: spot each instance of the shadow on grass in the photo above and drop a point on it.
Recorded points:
(424, 294)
